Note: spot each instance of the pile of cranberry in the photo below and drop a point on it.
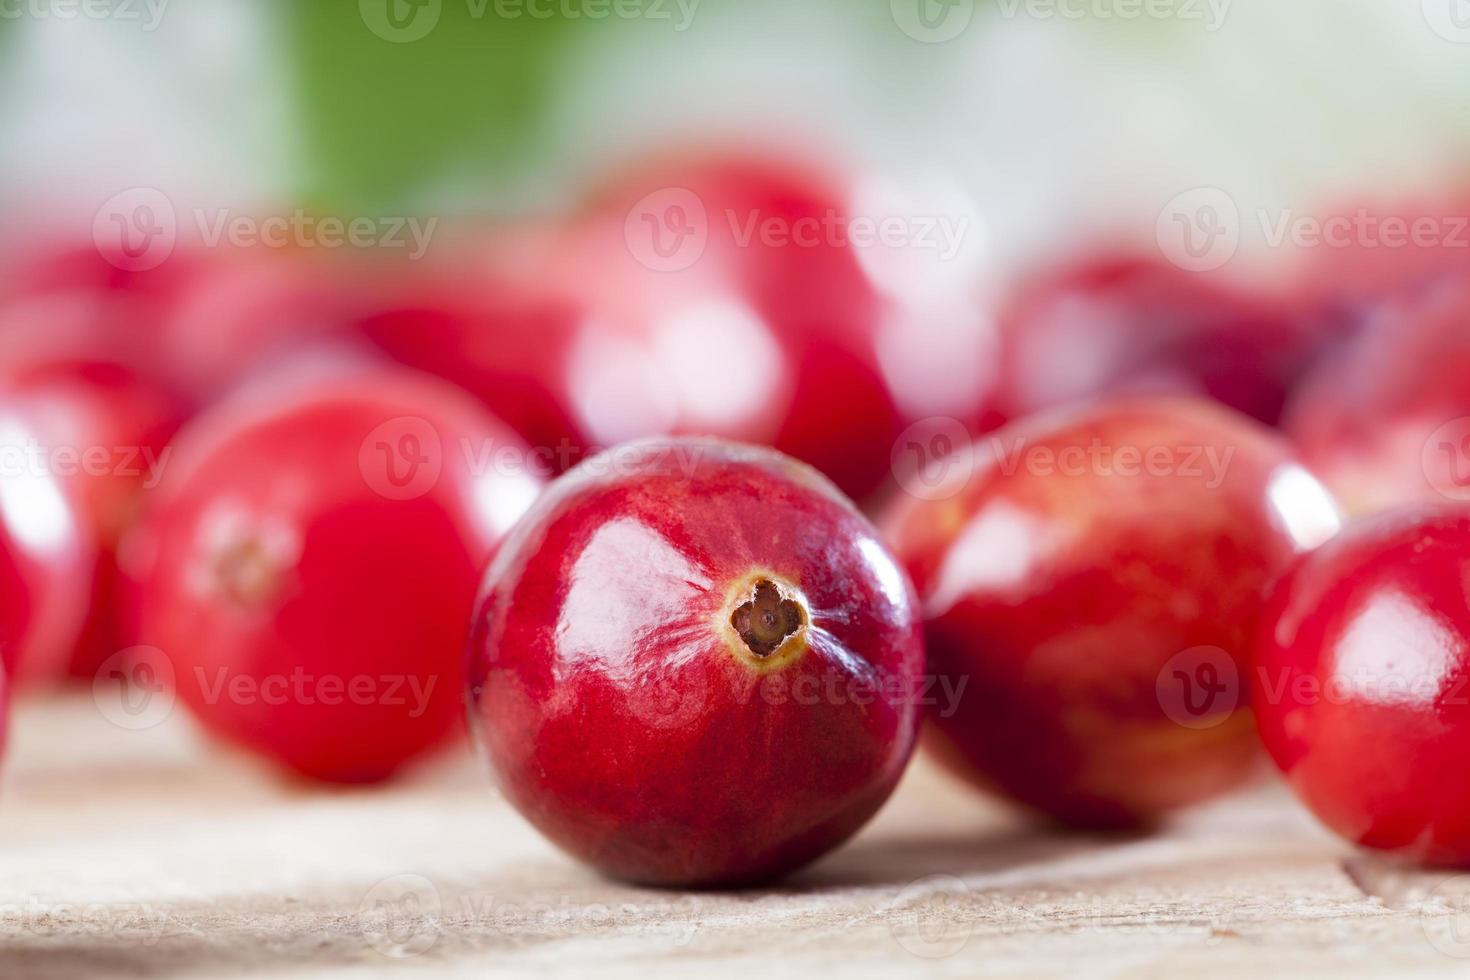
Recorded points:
(615, 458)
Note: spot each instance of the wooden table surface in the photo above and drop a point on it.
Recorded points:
(151, 853)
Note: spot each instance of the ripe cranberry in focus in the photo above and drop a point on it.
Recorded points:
(722, 296)
(693, 663)
(1095, 561)
(1386, 422)
(1359, 688)
(105, 433)
(1143, 326)
(309, 564)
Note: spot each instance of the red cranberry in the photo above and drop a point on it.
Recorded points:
(1091, 555)
(4, 689)
(75, 303)
(1381, 251)
(506, 341)
(105, 436)
(1362, 683)
(15, 603)
(196, 323)
(695, 664)
(50, 554)
(721, 297)
(1387, 421)
(309, 564)
(1132, 325)
(238, 309)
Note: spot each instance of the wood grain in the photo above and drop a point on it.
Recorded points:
(150, 853)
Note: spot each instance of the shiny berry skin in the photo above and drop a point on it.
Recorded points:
(308, 566)
(1386, 422)
(1362, 683)
(693, 663)
(1091, 554)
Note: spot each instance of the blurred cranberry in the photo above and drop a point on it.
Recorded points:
(48, 547)
(1383, 252)
(15, 604)
(55, 268)
(244, 307)
(1141, 325)
(196, 322)
(74, 302)
(708, 294)
(4, 704)
(506, 343)
(309, 565)
(1387, 420)
(722, 296)
(104, 434)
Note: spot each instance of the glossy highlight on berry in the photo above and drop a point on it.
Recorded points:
(1362, 683)
(695, 664)
(1094, 552)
